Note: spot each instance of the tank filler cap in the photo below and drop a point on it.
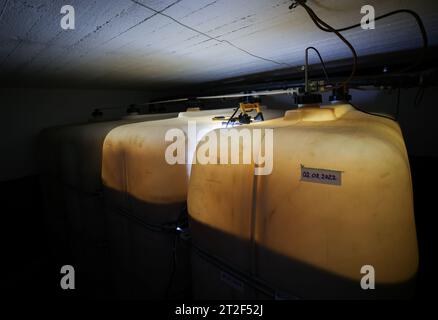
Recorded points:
(340, 95)
(307, 99)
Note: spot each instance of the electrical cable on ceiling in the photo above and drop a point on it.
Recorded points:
(213, 38)
(408, 11)
(420, 25)
(141, 22)
(306, 67)
(319, 23)
(320, 59)
(4, 9)
(327, 28)
(322, 25)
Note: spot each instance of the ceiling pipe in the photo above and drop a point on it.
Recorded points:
(229, 96)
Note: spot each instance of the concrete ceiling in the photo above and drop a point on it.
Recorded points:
(124, 44)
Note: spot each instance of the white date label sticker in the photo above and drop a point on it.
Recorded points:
(324, 176)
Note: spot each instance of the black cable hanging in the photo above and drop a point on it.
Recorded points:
(327, 28)
(395, 12)
(320, 59)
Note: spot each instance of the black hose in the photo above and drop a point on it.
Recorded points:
(320, 59)
(327, 28)
(234, 113)
(407, 11)
(371, 113)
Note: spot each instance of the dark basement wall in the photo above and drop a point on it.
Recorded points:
(25, 112)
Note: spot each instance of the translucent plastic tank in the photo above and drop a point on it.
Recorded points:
(70, 163)
(144, 194)
(339, 199)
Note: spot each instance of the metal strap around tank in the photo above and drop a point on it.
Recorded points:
(168, 227)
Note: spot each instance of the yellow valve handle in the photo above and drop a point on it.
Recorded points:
(248, 107)
(244, 109)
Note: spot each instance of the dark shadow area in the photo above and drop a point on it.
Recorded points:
(370, 70)
(30, 271)
(270, 275)
(149, 258)
(424, 176)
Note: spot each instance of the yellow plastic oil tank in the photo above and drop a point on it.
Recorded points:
(335, 213)
(145, 196)
(70, 164)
